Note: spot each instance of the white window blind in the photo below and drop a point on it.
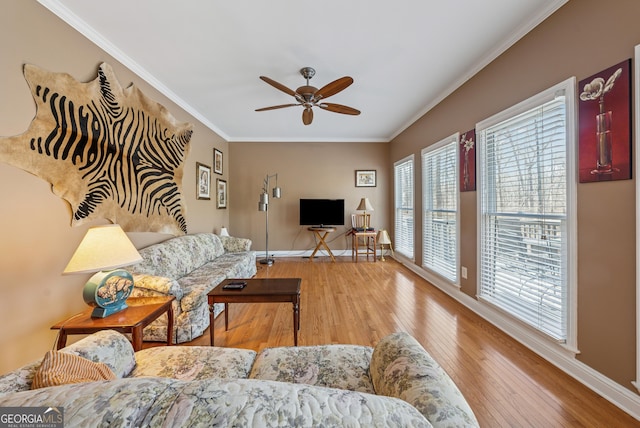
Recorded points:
(440, 203)
(403, 182)
(524, 214)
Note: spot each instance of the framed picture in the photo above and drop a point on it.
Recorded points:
(203, 181)
(468, 161)
(604, 122)
(217, 161)
(221, 193)
(365, 178)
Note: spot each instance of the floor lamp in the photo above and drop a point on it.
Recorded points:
(263, 205)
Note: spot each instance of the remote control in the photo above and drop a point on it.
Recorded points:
(235, 285)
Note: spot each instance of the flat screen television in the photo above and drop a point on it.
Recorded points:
(321, 212)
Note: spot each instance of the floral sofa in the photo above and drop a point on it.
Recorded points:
(396, 383)
(188, 267)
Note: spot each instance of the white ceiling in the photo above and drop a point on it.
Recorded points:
(207, 56)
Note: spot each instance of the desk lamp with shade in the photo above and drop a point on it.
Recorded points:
(103, 250)
(365, 206)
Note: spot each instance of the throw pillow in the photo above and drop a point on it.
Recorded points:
(59, 368)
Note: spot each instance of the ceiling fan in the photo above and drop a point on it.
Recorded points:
(309, 96)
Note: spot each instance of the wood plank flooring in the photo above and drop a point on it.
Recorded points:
(505, 383)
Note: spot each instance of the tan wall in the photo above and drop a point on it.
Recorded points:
(582, 38)
(305, 170)
(37, 240)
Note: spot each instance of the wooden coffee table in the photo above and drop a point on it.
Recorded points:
(141, 312)
(258, 290)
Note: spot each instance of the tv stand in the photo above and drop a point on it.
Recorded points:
(321, 233)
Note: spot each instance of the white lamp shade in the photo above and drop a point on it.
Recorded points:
(224, 231)
(383, 237)
(103, 248)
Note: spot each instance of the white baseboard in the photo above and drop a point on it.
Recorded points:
(304, 253)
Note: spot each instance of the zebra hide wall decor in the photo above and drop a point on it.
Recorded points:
(110, 152)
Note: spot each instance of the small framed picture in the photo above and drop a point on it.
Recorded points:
(221, 198)
(217, 161)
(365, 178)
(203, 181)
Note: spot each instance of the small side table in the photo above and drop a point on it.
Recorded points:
(321, 233)
(141, 312)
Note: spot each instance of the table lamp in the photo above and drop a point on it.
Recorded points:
(384, 239)
(365, 206)
(104, 249)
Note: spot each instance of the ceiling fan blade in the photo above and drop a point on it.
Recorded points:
(339, 108)
(333, 88)
(275, 107)
(307, 116)
(279, 86)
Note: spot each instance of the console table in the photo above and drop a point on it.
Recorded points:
(321, 233)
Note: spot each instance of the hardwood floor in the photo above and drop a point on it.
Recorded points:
(506, 384)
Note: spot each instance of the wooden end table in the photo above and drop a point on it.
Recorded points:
(141, 311)
(258, 290)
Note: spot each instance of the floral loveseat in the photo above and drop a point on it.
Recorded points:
(188, 267)
(396, 383)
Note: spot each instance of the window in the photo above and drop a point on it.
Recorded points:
(440, 204)
(526, 211)
(403, 181)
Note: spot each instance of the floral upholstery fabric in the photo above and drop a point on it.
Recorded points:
(157, 285)
(198, 283)
(188, 267)
(187, 325)
(176, 257)
(107, 346)
(157, 402)
(235, 245)
(19, 379)
(236, 264)
(334, 366)
(397, 383)
(194, 362)
(400, 367)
